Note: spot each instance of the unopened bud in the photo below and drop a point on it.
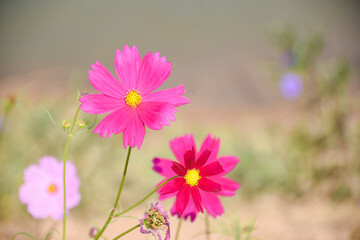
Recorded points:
(93, 231)
(66, 123)
(9, 102)
(81, 124)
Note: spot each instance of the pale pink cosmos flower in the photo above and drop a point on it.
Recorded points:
(42, 190)
(131, 102)
(201, 177)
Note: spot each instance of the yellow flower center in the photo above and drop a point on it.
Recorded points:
(192, 177)
(52, 188)
(133, 98)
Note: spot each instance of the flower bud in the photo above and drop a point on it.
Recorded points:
(9, 102)
(81, 124)
(93, 231)
(66, 124)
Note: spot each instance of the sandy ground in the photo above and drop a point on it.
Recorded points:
(276, 219)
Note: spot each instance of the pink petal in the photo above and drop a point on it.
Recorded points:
(178, 169)
(182, 199)
(103, 81)
(228, 186)
(180, 145)
(163, 166)
(202, 159)
(134, 132)
(228, 162)
(173, 185)
(209, 185)
(189, 158)
(211, 169)
(172, 96)
(153, 72)
(165, 196)
(195, 193)
(212, 144)
(100, 103)
(212, 203)
(127, 66)
(190, 211)
(156, 115)
(114, 123)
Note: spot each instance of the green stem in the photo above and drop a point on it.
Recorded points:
(64, 171)
(207, 227)
(117, 197)
(146, 197)
(126, 232)
(178, 229)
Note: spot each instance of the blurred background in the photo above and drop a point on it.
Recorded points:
(277, 81)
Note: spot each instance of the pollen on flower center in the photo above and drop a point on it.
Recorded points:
(192, 177)
(52, 188)
(133, 98)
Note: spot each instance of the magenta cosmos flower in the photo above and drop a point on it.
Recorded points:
(42, 190)
(131, 102)
(155, 221)
(201, 178)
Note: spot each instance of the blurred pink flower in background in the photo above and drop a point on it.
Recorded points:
(201, 178)
(131, 101)
(42, 190)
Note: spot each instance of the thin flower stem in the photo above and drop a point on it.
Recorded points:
(126, 232)
(146, 197)
(207, 227)
(64, 171)
(178, 229)
(117, 197)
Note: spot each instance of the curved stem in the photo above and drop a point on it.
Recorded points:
(178, 229)
(117, 197)
(146, 197)
(126, 232)
(64, 171)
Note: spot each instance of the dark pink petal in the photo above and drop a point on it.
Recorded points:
(202, 159)
(182, 199)
(134, 132)
(195, 193)
(180, 145)
(178, 169)
(189, 158)
(212, 144)
(228, 186)
(211, 169)
(114, 123)
(103, 81)
(209, 185)
(100, 103)
(212, 203)
(153, 72)
(190, 211)
(163, 166)
(156, 115)
(172, 96)
(165, 196)
(173, 185)
(127, 66)
(228, 162)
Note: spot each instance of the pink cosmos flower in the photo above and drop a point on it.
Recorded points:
(155, 221)
(131, 102)
(202, 177)
(42, 190)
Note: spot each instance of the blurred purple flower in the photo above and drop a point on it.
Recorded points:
(42, 190)
(291, 85)
(155, 221)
